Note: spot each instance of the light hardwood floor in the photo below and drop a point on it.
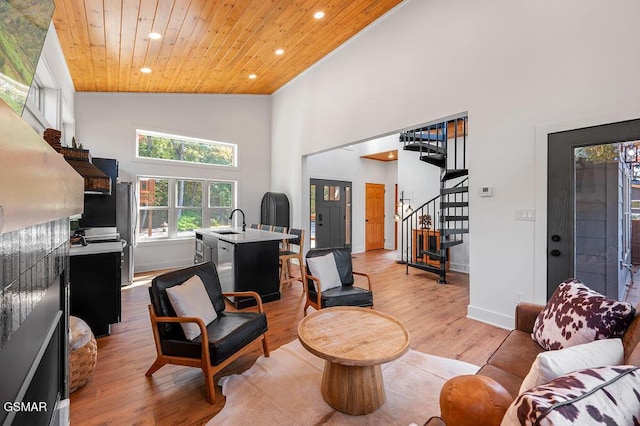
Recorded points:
(119, 393)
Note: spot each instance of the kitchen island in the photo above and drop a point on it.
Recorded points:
(246, 260)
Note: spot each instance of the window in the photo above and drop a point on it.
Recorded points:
(165, 147)
(331, 193)
(221, 195)
(173, 208)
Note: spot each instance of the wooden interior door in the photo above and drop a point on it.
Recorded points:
(374, 216)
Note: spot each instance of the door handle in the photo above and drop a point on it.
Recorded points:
(555, 238)
(555, 253)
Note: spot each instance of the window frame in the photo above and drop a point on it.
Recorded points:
(137, 157)
(172, 208)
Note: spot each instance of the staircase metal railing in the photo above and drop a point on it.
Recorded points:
(436, 234)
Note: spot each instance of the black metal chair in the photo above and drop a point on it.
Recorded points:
(228, 336)
(345, 295)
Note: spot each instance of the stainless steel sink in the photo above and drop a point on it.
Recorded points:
(226, 232)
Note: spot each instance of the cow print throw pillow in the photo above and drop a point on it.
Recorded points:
(575, 314)
(607, 395)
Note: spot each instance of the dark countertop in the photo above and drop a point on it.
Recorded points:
(237, 236)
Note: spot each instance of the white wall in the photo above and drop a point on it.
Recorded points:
(517, 68)
(345, 164)
(107, 122)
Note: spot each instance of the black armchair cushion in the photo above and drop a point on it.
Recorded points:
(343, 262)
(228, 333)
(343, 296)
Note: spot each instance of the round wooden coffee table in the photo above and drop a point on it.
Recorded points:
(353, 342)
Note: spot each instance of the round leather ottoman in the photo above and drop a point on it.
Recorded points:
(83, 353)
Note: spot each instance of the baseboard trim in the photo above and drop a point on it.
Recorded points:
(459, 267)
(490, 317)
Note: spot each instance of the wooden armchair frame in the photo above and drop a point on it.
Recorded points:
(204, 362)
(317, 304)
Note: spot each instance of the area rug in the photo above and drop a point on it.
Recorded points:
(284, 389)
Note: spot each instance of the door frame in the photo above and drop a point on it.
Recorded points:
(538, 282)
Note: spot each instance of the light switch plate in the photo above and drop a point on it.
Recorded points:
(525, 214)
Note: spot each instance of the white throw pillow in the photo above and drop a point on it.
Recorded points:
(325, 269)
(190, 299)
(552, 364)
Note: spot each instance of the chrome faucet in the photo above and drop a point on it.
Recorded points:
(244, 225)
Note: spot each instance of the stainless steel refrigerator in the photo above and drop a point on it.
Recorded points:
(126, 214)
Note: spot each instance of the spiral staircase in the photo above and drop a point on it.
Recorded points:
(425, 241)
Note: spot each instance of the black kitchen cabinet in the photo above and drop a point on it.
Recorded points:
(95, 290)
(249, 267)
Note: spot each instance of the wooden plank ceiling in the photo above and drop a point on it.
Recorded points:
(207, 46)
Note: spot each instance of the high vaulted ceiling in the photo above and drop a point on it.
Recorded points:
(207, 46)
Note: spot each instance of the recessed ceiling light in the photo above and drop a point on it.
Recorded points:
(253, 76)
(319, 14)
(279, 51)
(155, 36)
(145, 70)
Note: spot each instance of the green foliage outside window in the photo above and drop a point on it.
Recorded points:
(221, 194)
(599, 153)
(171, 148)
(189, 220)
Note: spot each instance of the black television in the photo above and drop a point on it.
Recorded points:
(23, 28)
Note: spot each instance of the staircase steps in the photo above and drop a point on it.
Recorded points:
(425, 147)
(447, 244)
(413, 137)
(449, 204)
(454, 218)
(438, 160)
(455, 190)
(425, 267)
(454, 173)
(433, 255)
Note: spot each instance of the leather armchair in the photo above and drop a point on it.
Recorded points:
(347, 294)
(225, 338)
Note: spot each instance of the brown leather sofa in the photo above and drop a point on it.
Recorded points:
(483, 399)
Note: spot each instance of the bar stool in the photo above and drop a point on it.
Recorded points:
(287, 254)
